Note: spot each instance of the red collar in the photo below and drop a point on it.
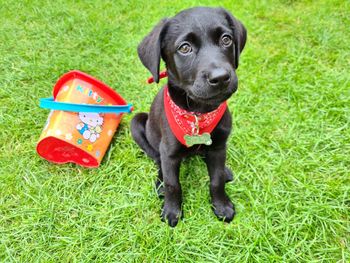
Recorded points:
(184, 123)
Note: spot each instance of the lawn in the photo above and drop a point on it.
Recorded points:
(289, 148)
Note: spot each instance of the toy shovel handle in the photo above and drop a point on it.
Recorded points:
(50, 103)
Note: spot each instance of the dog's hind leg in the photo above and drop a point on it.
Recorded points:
(138, 132)
(159, 183)
(229, 174)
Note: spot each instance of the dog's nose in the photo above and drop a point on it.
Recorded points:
(218, 77)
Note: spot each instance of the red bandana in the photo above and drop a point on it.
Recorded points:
(183, 122)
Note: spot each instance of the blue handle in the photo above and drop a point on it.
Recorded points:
(50, 103)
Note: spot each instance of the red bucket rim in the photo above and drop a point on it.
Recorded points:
(48, 142)
(76, 74)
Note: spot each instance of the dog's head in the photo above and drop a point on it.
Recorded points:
(201, 48)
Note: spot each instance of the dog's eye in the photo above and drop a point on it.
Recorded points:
(226, 40)
(185, 49)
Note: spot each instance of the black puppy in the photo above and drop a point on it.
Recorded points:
(201, 48)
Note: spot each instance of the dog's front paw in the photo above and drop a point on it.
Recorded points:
(171, 214)
(224, 209)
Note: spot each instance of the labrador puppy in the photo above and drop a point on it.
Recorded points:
(201, 48)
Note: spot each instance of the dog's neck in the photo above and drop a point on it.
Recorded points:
(179, 96)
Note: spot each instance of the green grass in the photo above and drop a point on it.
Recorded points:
(289, 148)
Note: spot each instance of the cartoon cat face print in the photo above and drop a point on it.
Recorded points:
(91, 125)
(91, 118)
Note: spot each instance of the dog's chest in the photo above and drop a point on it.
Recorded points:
(191, 128)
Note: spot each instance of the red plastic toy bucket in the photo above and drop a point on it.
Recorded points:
(84, 117)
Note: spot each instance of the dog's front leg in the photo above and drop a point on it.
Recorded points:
(222, 206)
(170, 165)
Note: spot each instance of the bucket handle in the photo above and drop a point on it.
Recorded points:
(50, 103)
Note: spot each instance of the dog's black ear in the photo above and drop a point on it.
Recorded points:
(240, 35)
(149, 49)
